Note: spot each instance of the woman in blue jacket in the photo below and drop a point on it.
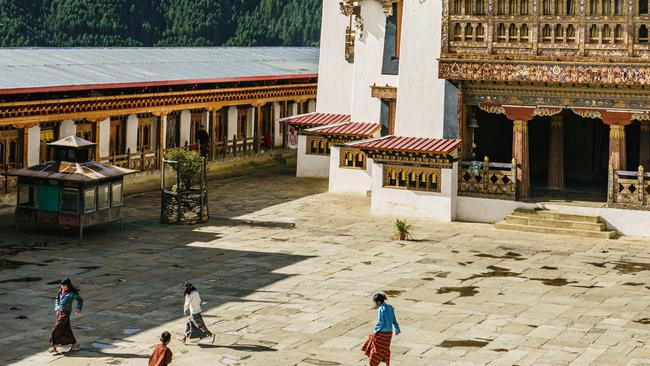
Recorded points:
(377, 347)
(62, 332)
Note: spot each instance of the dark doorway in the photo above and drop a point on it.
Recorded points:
(586, 156)
(493, 137)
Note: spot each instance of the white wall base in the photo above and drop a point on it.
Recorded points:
(343, 180)
(486, 210)
(316, 166)
(405, 203)
(626, 222)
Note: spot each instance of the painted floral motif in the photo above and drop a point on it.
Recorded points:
(559, 73)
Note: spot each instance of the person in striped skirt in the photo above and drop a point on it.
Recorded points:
(195, 327)
(377, 347)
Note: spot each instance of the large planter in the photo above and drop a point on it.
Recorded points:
(184, 207)
(183, 201)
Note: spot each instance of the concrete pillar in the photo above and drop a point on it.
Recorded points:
(617, 158)
(556, 153)
(311, 106)
(67, 128)
(104, 138)
(644, 153)
(132, 125)
(520, 153)
(186, 125)
(277, 135)
(294, 109)
(232, 122)
(33, 145)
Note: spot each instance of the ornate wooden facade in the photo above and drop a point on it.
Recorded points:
(541, 58)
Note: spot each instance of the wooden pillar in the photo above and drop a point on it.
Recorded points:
(258, 128)
(520, 154)
(556, 153)
(617, 158)
(161, 137)
(644, 153)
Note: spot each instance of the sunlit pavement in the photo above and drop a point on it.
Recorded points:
(287, 271)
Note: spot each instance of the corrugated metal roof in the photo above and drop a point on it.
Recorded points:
(73, 172)
(56, 67)
(72, 141)
(421, 145)
(353, 129)
(316, 119)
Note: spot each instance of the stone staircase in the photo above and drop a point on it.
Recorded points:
(551, 222)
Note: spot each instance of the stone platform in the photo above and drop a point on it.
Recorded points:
(286, 272)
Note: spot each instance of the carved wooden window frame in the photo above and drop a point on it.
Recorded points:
(318, 146)
(349, 159)
(411, 178)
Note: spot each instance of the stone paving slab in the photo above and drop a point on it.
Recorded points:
(286, 272)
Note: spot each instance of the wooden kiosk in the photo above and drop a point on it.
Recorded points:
(70, 192)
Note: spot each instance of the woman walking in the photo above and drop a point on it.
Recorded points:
(62, 332)
(377, 347)
(195, 327)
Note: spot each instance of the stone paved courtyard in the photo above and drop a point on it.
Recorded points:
(286, 272)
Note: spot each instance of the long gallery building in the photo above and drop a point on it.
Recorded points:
(135, 103)
(532, 111)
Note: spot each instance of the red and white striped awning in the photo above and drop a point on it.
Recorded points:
(348, 129)
(315, 119)
(419, 145)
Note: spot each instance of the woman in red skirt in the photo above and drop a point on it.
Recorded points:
(377, 347)
(62, 332)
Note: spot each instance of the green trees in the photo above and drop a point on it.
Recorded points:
(111, 23)
(278, 23)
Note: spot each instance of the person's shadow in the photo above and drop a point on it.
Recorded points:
(241, 347)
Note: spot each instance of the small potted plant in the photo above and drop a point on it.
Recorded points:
(402, 229)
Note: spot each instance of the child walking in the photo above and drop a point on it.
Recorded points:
(162, 355)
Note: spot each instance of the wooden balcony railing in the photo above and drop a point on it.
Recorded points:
(487, 180)
(629, 189)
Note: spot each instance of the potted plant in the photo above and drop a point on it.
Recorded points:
(402, 229)
(184, 188)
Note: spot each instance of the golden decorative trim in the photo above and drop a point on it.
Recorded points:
(587, 113)
(617, 132)
(520, 126)
(547, 111)
(491, 108)
(587, 73)
(155, 103)
(383, 92)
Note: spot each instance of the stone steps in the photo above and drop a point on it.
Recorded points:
(550, 222)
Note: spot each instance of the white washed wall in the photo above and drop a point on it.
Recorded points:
(67, 128)
(420, 99)
(311, 165)
(335, 73)
(344, 180)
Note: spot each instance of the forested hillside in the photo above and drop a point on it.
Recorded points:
(111, 23)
